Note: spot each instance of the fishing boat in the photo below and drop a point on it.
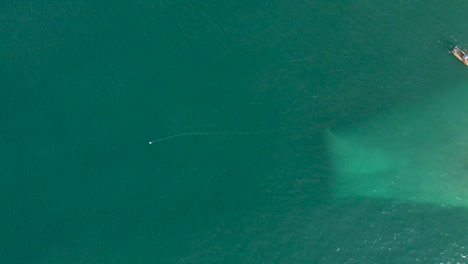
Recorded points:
(461, 55)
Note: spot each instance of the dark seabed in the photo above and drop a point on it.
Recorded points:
(86, 85)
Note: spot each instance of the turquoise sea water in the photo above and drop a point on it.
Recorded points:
(86, 85)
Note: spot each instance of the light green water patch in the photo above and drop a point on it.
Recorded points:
(417, 152)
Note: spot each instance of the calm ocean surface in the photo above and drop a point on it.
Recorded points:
(84, 86)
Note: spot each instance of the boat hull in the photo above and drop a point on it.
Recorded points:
(459, 53)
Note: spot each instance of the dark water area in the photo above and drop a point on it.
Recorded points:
(86, 85)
